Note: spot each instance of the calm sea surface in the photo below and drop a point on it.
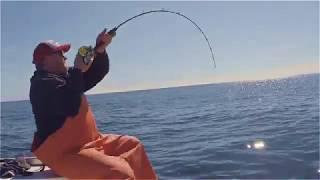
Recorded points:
(207, 131)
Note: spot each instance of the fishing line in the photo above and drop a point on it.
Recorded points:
(112, 32)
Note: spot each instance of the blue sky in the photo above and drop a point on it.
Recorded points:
(251, 41)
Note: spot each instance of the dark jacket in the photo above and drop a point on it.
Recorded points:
(56, 97)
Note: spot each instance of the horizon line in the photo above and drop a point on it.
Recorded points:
(187, 85)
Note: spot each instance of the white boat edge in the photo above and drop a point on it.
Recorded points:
(37, 174)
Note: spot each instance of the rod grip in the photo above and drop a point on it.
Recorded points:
(112, 32)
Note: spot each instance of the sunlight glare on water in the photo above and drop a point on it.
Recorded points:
(258, 144)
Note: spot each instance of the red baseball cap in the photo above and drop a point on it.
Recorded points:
(46, 48)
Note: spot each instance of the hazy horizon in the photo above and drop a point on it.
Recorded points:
(133, 90)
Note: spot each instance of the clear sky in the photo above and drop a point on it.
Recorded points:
(251, 40)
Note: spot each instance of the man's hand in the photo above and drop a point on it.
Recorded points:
(102, 41)
(79, 64)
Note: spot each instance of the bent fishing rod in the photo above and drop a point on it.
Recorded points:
(112, 32)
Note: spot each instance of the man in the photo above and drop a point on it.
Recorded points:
(67, 139)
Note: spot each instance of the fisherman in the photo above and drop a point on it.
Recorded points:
(67, 139)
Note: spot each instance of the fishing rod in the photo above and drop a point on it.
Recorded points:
(112, 32)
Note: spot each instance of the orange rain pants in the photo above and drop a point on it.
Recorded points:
(78, 151)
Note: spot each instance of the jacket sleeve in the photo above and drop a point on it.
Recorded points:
(97, 71)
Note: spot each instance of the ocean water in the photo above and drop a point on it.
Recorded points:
(204, 132)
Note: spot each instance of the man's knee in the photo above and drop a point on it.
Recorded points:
(131, 140)
(116, 174)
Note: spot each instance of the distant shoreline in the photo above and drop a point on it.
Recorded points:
(242, 81)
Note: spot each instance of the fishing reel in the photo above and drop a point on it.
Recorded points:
(87, 53)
